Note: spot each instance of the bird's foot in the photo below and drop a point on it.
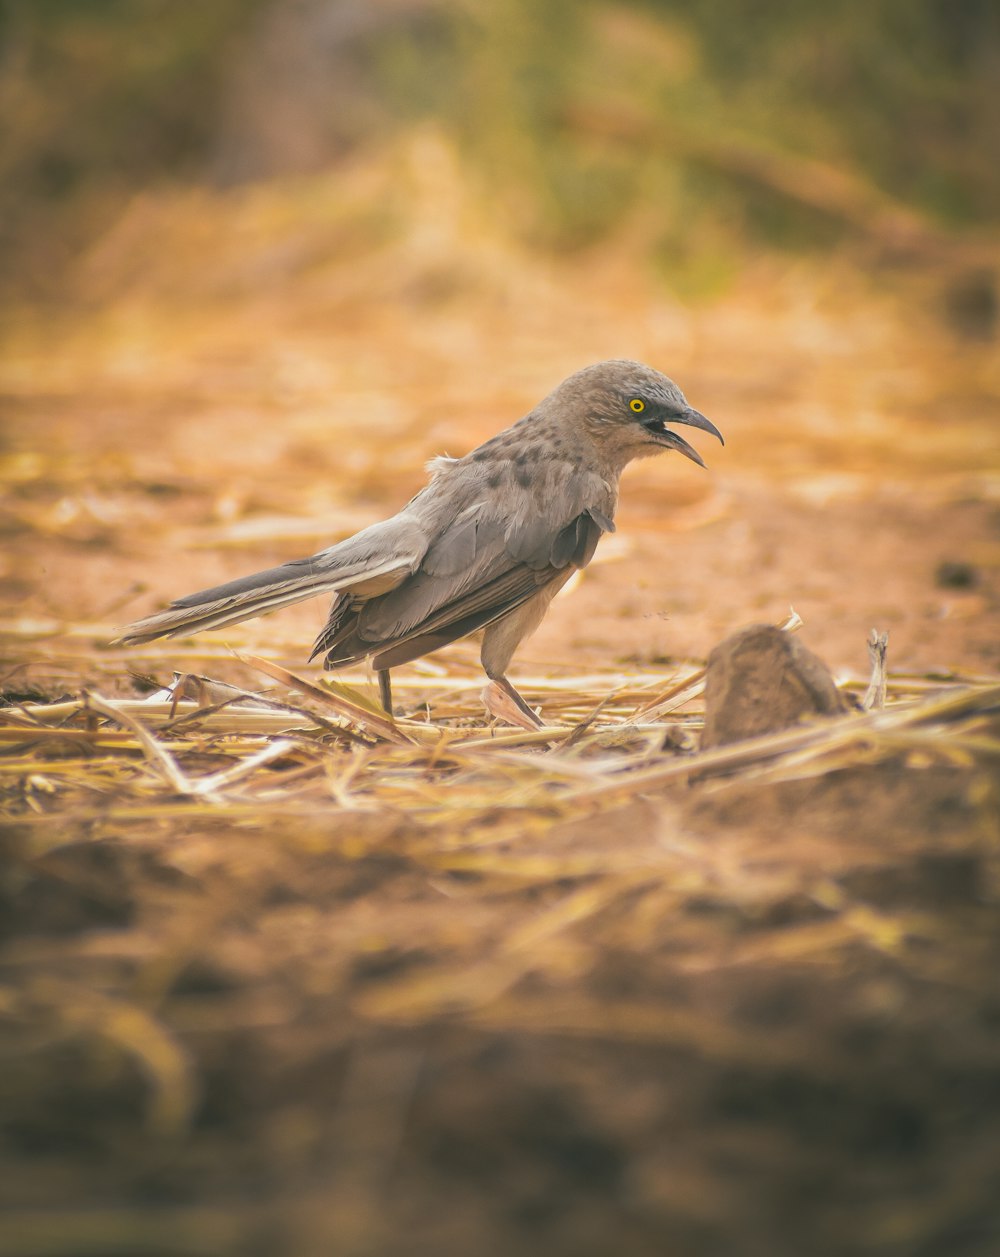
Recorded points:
(503, 702)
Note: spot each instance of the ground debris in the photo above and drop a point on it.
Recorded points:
(762, 680)
(270, 941)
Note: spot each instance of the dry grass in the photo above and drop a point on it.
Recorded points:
(334, 744)
(231, 894)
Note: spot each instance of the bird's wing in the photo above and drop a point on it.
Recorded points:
(491, 557)
(370, 563)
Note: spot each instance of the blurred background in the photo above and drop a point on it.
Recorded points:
(261, 258)
(700, 132)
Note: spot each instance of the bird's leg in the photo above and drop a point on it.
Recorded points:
(385, 689)
(878, 643)
(522, 707)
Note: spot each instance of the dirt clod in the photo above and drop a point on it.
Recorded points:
(762, 680)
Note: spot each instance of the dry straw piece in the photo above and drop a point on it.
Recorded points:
(334, 743)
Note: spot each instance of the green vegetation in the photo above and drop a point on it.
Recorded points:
(576, 117)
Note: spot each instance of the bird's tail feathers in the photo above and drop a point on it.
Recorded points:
(259, 594)
(220, 612)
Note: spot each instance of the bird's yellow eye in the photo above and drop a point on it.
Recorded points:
(637, 404)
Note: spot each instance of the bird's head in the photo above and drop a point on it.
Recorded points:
(629, 410)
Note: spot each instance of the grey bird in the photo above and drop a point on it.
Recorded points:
(485, 545)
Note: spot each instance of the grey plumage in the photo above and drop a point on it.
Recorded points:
(485, 545)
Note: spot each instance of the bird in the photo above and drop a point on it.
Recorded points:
(485, 545)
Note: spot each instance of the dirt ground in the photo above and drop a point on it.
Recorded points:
(737, 1018)
(151, 449)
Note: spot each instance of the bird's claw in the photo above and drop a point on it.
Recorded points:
(504, 703)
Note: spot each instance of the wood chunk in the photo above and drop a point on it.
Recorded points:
(762, 680)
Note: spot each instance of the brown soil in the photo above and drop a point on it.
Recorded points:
(773, 1029)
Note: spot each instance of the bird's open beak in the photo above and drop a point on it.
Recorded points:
(694, 419)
